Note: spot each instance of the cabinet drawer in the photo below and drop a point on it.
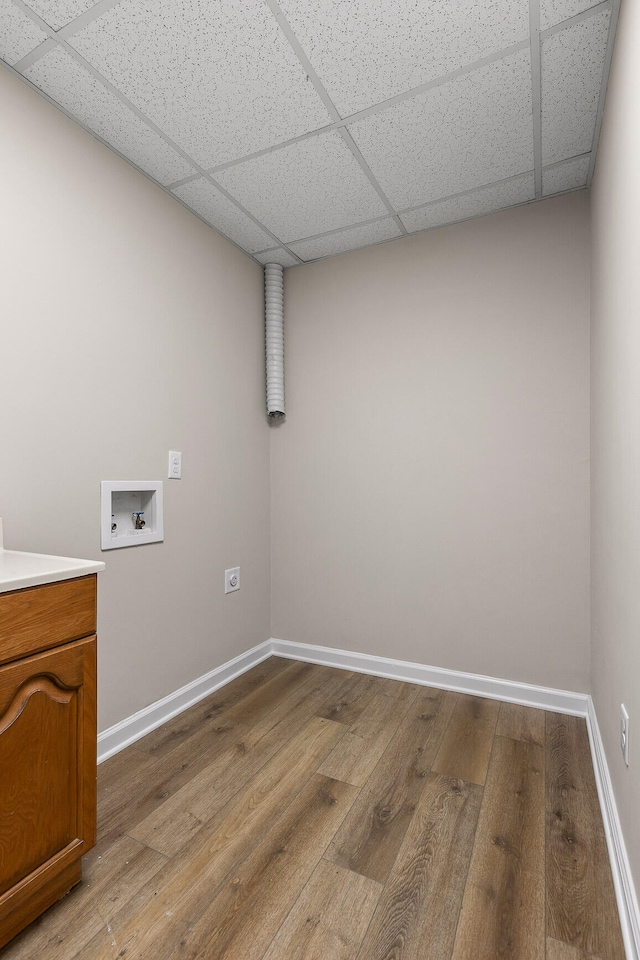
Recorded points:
(38, 618)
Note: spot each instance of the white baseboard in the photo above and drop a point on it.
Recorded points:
(545, 698)
(126, 732)
(132, 728)
(620, 867)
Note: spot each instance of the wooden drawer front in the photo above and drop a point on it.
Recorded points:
(38, 618)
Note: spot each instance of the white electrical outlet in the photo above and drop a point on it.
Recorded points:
(624, 733)
(232, 579)
(175, 465)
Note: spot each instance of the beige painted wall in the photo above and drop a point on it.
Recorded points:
(130, 328)
(616, 424)
(430, 486)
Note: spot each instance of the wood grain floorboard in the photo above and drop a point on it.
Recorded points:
(418, 911)
(467, 743)
(502, 912)
(521, 723)
(184, 813)
(109, 880)
(562, 951)
(171, 734)
(352, 698)
(580, 896)
(298, 813)
(355, 756)
(265, 698)
(372, 834)
(153, 781)
(330, 917)
(154, 922)
(246, 914)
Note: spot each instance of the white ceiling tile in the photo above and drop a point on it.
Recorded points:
(222, 214)
(570, 175)
(309, 187)
(277, 256)
(471, 131)
(219, 79)
(57, 13)
(89, 101)
(555, 11)
(19, 35)
(349, 239)
(366, 51)
(476, 204)
(572, 64)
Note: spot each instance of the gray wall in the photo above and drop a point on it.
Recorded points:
(430, 486)
(130, 328)
(616, 424)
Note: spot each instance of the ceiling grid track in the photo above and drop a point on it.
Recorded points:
(58, 39)
(328, 102)
(375, 187)
(615, 13)
(536, 92)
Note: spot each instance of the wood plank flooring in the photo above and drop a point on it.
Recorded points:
(307, 813)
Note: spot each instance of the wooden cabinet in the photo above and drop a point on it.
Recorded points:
(47, 745)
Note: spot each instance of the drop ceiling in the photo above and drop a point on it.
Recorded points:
(301, 129)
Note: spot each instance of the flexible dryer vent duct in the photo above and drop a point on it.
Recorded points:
(274, 339)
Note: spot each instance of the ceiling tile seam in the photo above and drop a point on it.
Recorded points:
(307, 66)
(303, 59)
(376, 108)
(355, 150)
(561, 163)
(84, 19)
(536, 92)
(435, 82)
(131, 163)
(276, 146)
(579, 17)
(338, 230)
(474, 216)
(37, 54)
(604, 83)
(363, 246)
(78, 23)
(281, 246)
(466, 193)
(157, 130)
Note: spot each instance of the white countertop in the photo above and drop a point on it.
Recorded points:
(18, 569)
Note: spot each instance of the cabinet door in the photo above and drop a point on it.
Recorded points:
(47, 764)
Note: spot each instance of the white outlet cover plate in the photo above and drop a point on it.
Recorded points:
(232, 579)
(175, 465)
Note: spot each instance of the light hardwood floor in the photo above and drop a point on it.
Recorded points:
(307, 813)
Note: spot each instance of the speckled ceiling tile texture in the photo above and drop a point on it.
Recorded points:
(78, 92)
(313, 186)
(419, 150)
(570, 175)
(57, 13)
(572, 63)
(555, 11)
(220, 79)
(277, 256)
(349, 239)
(214, 207)
(366, 51)
(487, 200)
(19, 35)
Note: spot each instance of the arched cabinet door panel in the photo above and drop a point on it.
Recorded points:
(47, 777)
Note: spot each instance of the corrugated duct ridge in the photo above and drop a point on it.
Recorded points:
(274, 339)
